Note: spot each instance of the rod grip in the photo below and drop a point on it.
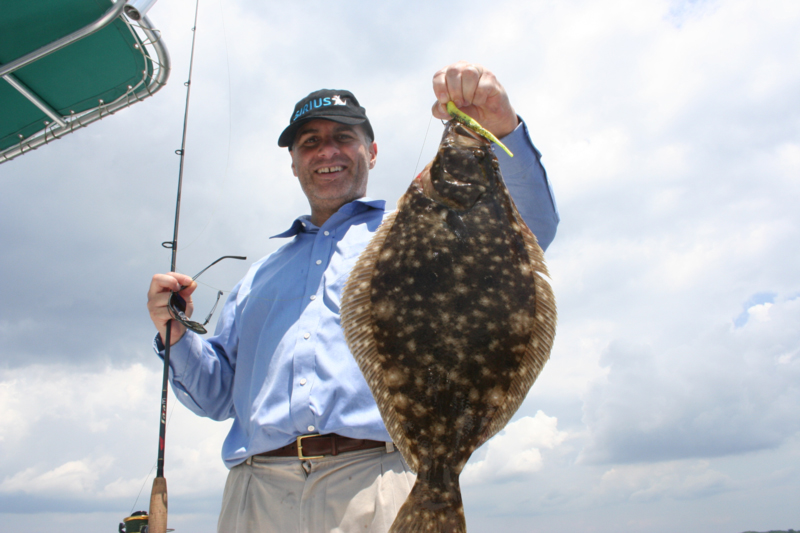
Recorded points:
(157, 518)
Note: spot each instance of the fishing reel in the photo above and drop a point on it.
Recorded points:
(135, 523)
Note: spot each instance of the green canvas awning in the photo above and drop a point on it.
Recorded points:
(67, 63)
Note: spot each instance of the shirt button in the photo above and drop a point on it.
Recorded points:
(311, 428)
(306, 335)
(303, 224)
(313, 296)
(326, 233)
(303, 381)
(319, 261)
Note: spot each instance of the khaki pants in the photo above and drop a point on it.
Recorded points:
(356, 491)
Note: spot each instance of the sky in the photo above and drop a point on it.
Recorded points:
(670, 131)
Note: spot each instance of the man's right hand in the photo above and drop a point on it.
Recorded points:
(476, 92)
(161, 288)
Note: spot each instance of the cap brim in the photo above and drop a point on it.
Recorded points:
(287, 137)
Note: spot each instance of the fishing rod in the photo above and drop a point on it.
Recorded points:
(157, 516)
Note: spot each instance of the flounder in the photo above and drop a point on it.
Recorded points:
(450, 320)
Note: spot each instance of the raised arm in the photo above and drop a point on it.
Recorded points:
(476, 92)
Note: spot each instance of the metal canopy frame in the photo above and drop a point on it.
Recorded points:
(147, 42)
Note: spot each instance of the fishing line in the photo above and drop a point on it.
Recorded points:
(142, 488)
(230, 134)
(423, 146)
(147, 477)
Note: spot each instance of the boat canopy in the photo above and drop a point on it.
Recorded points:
(68, 63)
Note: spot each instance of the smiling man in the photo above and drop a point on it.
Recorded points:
(331, 158)
(307, 450)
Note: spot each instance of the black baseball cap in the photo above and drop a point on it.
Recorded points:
(329, 104)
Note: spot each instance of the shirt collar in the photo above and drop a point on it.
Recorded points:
(303, 223)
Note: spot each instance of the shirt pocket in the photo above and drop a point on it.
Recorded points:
(338, 271)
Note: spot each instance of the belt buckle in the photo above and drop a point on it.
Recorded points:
(300, 448)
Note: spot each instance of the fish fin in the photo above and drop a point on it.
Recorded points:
(425, 512)
(541, 341)
(357, 322)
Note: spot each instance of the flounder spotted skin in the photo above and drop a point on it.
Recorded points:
(449, 319)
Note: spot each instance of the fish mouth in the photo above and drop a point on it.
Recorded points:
(459, 136)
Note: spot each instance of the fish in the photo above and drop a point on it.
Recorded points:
(450, 317)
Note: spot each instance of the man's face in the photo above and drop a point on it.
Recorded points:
(332, 162)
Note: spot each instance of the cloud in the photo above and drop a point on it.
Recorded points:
(514, 452)
(69, 478)
(12, 421)
(679, 480)
(53, 416)
(755, 305)
(726, 392)
(760, 312)
(91, 401)
(681, 11)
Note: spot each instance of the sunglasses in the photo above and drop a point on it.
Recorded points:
(177, 305)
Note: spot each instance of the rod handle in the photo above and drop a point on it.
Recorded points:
(157, 517)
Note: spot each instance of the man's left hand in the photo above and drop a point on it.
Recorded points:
(476, 92)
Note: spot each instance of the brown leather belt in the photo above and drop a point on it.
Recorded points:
(318, 446)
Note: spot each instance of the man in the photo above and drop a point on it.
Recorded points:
(278, 363)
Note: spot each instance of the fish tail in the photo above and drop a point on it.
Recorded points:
(427, 510)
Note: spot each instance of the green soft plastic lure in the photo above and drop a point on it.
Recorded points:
(472, 124)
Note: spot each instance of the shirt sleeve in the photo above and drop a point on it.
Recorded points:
(202, 371)
(527, 182)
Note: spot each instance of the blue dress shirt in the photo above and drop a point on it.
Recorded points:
(278, 363)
